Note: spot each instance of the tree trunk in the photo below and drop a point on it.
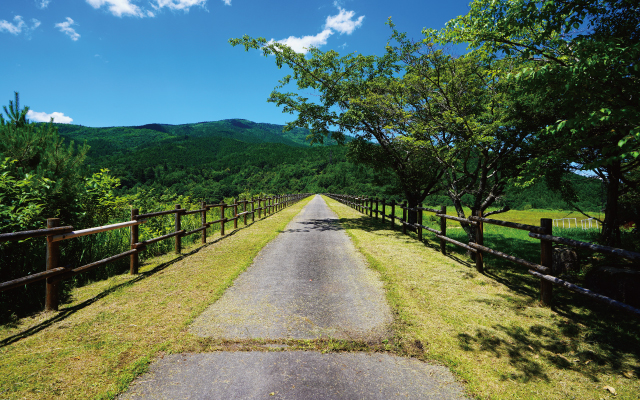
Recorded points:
(610, 226)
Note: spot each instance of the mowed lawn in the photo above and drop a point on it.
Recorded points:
(489, 328)
(112, 329)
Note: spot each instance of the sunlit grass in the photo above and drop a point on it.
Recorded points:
(111, 330)
(489, 328)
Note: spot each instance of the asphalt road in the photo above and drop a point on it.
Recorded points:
(310, 282)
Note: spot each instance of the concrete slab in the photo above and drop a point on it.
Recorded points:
(294, 375)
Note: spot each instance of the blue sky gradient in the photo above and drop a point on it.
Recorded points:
(128, 62)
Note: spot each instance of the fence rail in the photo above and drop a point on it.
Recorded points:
(369, 206)
(55, 234)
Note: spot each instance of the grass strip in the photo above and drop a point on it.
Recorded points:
(491, 332)
(111, 330)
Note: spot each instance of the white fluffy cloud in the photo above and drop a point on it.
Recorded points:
(343, 22)
(18, 25)
(302, 44)
(59, 118)
(118, 7)
(180, 4)
(42, 4)
(227, 2)
(127, 8)
(65, 27)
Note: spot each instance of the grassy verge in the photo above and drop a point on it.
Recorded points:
(490, 330)
(111, 330)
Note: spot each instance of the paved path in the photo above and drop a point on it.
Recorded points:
(310, 282)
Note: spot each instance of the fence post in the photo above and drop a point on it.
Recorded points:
(443, 229)
(178, 242)
(383, 207)
(133, 258)
(244, 210)
(53, 258)
(480, 241)
(404, 217)
(235, 213)
(253, 210)
(222, 205)
(393, 213)
(203, 205)
(376, 200)
(419, 222)
(546, 260)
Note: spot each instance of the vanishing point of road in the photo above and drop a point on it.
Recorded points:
(308, 283)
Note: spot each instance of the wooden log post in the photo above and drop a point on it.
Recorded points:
(244, 210)
(235, 213)
(443, 229)
(376, 201)
(253, 210)
(134, 260)
(383, 209)
(223, 219)
(419, 224)
(53, 259)
(178, 227)
(404, 217)
(203, 206)
(546, 260)
(480, 241)
(393, 213)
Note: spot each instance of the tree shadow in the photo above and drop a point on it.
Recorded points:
(588, 337)
(319, 225)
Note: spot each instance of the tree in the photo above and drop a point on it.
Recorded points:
(465, 115)
(584, 56)
(37, 149)
(349, 88)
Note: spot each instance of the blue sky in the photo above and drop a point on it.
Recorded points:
(132, 62)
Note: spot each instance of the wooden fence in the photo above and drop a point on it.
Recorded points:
(54, 234)
(375, 207)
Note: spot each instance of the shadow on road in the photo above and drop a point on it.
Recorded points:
(325, 224)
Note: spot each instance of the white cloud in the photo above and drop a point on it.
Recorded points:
(58, 117)
(343, 22)
(118, 7)
(18, 25)
(227, 2)
(42, 4)
(66, 28)
(302, 44)
(180, 4)
(127, 8)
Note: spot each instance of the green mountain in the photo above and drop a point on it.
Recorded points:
(213, 160)
(124, 139)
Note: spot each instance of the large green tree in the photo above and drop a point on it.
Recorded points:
(466, 115)
(583, 56)
(349, 89)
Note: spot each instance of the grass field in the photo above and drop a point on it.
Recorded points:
(489, 328)
(111, 330)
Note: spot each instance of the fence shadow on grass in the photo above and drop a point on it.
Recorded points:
(590, 338)
(67, 312)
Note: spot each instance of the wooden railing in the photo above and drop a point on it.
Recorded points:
(54, 234)
(375, 207)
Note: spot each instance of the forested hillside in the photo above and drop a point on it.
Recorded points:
(214, 160)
